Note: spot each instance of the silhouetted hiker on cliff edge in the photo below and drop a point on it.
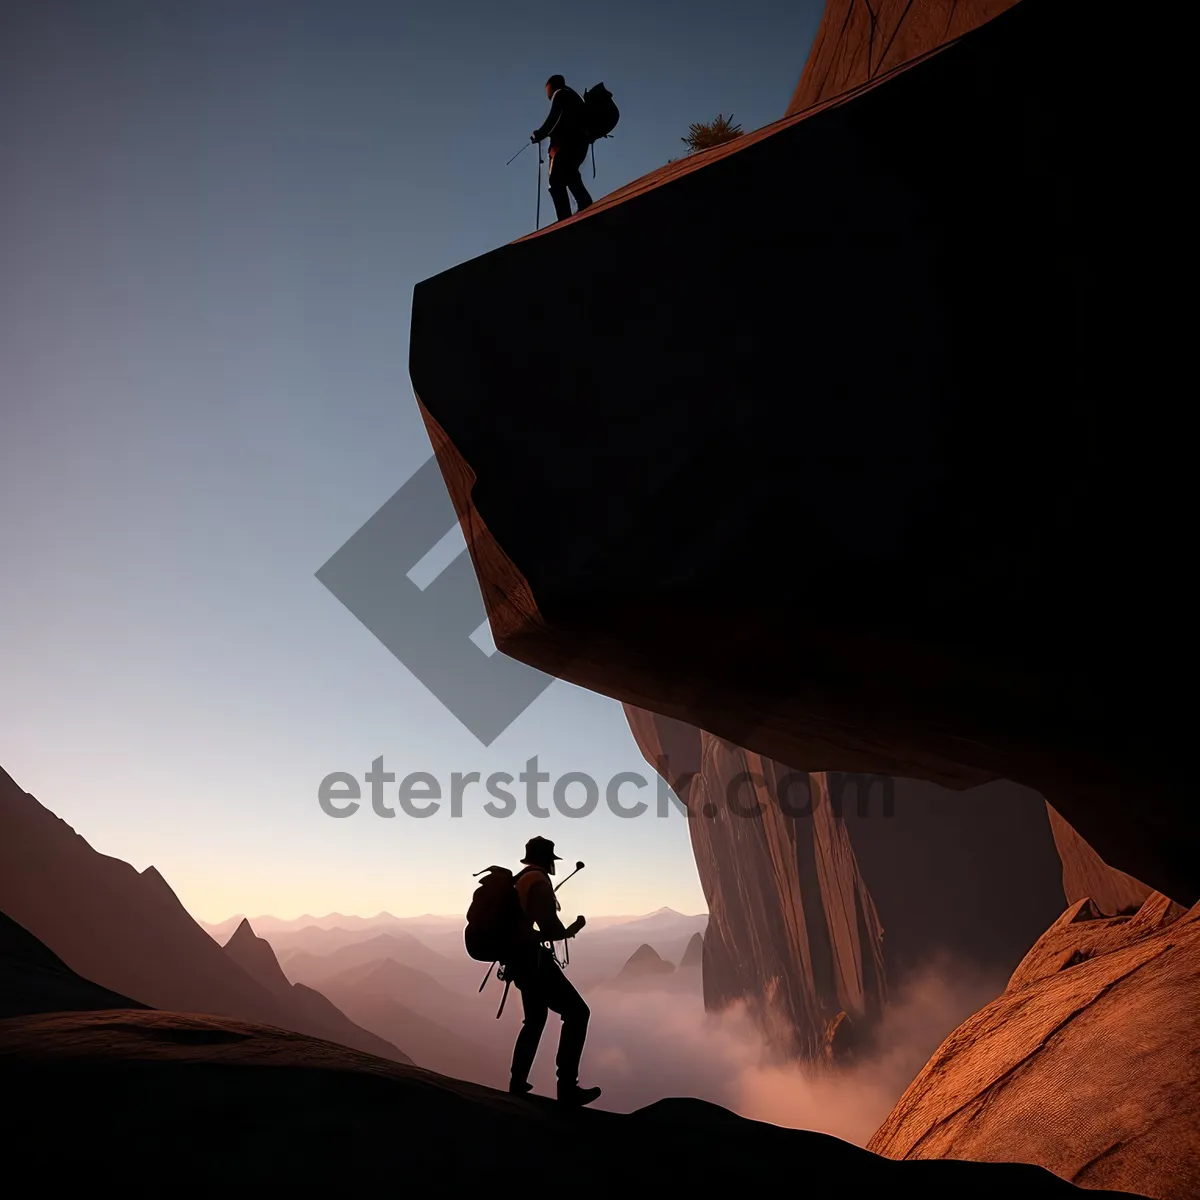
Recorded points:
(534, 971)
(567, 129)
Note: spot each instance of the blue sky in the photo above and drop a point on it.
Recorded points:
(212, 221)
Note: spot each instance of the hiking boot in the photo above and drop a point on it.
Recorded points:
(577, 1096)
(517, 1088)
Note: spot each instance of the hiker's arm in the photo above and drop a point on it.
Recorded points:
(547, 127)
(544, 910)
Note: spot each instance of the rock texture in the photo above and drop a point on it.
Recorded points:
(844, 886)
(1086, 876)
(860, 41)
(127, 931)
(1088, 1064)
(910, 422)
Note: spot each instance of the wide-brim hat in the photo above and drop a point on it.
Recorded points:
(539, 850)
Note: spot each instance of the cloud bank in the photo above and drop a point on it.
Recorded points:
(645, 1046)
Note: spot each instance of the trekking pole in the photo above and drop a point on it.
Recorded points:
(539, 205)
(567, 944)
(522, 150)
(578, 868)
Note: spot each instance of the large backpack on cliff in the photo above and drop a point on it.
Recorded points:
(494, 917)
(600, 115)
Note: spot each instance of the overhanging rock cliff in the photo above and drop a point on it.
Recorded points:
(902, 358)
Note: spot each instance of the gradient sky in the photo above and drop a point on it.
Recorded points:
(212, 219)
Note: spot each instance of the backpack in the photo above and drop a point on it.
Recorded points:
(600, 114)
(493, 917)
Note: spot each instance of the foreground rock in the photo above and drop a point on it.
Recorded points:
(857, 43)
(1089, 1064)
(143, 1093)
(924, 479)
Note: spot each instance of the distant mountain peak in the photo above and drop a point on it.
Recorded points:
(645, 960)
(693, 956)
(243, 931)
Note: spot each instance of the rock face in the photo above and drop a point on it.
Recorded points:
(1088, 1064)
(842, 886)
(1086, 876)
(957, 592)
(693, 956)
(127, 931)
(858, 41)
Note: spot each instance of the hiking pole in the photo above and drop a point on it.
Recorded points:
(578, 868)
(523, 148)
(567, 945)
(539, 205)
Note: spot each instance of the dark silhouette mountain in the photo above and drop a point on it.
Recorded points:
(256, 957)
(126, 930)
(33, 979)
(133, 1087)
(644, 961)
(693, 956)
(323, 1017)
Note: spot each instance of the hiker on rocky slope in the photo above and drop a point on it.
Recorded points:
(533, 970)
(566, 127)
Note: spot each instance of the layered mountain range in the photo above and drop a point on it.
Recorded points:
(126, 931)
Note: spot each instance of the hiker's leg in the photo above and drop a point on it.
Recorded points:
(562, 997)
(558, 188)
(533, 1002)
(574, 181)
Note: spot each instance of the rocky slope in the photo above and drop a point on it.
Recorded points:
(693, 956)
(860, 40)
(1088, 1064)
(127, 931)
(130, 1090)
(1086, 876)
(862, 432)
